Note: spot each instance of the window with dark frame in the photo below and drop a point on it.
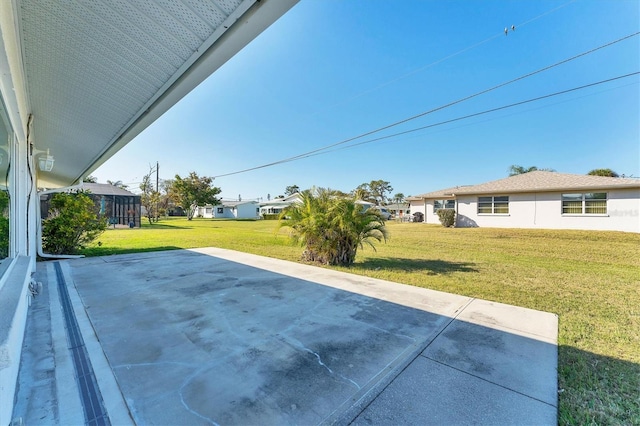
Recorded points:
(493, 205)
(443, 204)
(590, 203)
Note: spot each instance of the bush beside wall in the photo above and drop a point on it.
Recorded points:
(447, 217)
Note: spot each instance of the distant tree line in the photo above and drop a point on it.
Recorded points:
(518, 170)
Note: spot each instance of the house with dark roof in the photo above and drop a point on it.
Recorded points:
(119, 205)
(540, 199)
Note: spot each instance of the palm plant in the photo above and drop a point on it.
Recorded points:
(519, 170)
(331, 228)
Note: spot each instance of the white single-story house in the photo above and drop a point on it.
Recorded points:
(399, 210)
(540, 199)
(230, 210)
(277, 205)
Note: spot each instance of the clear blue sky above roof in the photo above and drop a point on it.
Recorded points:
(329, 70)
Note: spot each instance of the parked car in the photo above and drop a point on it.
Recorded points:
(383, 212)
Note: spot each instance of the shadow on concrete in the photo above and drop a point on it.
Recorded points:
(194, 337)
(429, 266)
(109, 251)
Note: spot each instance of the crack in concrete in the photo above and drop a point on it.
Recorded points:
(299, 345)
(184, 403)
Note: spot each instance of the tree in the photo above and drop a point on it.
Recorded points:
(379, 190)
(290, 190)
(150, 197)
(90, 179)
(117, 184)
(167, 196)
(332, 228)
(73, 222)
(362, 192)
(519, 170)
(603, 172)
(194, 191)
(398, 198)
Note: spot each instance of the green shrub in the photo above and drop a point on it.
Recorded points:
(4, 237)
(271, 216)
(331, 228)
(4, 224)
(447, 217)
(73, 222)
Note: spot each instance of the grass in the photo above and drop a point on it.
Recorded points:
(590, 279)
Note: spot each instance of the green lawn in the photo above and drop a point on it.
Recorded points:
(590, 279)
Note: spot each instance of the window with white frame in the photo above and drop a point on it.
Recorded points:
(493, 205)
(589, 203)
(443, 204)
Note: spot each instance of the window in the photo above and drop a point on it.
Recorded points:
(588, 203)
(493, 205)
(220, 210)
(443, 204)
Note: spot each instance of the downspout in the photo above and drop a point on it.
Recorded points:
(41, 253)
(425, 210)
(455, 200)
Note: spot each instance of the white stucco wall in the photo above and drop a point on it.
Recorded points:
(418, 206)
(544, 211)
(247, 211)
(426, 208)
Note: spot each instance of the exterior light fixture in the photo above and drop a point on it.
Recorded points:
(45, 162)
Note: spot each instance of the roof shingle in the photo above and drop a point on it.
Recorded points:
(537, 181)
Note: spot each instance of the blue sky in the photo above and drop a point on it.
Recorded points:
(330, 70)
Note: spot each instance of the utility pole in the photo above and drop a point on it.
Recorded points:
(157, 188)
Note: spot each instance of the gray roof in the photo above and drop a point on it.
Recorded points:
(537, 181)
(540, 181)
(106, 189)
(442, 193)
(237, 203)
(395, 206)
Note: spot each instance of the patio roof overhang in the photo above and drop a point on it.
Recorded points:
(90, 76)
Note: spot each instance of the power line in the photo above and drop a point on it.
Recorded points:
(450, 104)
(539, 98)
(453, 55)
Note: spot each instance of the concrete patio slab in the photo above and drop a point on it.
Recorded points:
(212, 336)
(430, 393)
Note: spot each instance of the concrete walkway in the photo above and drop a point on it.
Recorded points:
(212, 336)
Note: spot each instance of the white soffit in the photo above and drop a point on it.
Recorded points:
(98, 72)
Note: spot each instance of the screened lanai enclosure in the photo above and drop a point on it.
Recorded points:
(117, 205)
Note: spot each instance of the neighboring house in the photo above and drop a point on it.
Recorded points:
(119, 205)
(540, 199)
(230, 210)
(398, 210)
(277, 205)
(428, 204)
